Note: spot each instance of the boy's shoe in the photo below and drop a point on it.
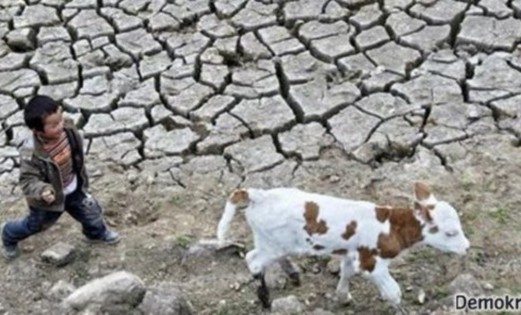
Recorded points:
(110, 237)
(9, 252)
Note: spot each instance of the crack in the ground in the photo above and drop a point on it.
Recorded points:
(261, 132)
(176, 180)
(162, 97)
(284, 91)
(278, 148)
(498, 115)
(443, 159)
(198, 66)
(266, 168)
(261, 40)
(236, 101)
(513, 132)
(393, 151)
(296, 168)
(447, 141)
(251, 133)
(229, 164)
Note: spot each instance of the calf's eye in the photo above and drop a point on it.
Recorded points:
(451, 233)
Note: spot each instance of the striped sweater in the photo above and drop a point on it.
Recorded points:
(60, 153)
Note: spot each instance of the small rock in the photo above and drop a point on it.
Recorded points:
(206, 248)
(60, 290)
(165, 299)
(312, 297)
(333, 266)
(132, 177)
(111, 222)
(487, 286)
(119, 289)
(320, 311)
(28, 248)
(334, 179)
(465, 283)
(287, 305)
(421, 296)
(59, 254)
(236, 286)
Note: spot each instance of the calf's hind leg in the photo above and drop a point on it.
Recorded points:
(257, 262)
(291, 270)
(347, 270)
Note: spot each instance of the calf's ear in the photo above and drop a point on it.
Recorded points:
(423, 195)
(422, 191)
(424, 200)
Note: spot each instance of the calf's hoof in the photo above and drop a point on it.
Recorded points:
(342, 299)
(401, 310)
(347, 299)
(264, 297)
(294, 279)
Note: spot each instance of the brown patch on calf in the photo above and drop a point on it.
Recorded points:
(350, 230)
(367, 258)
(340, 251)
(388, 245)
(424, 211)
(382, 213)
(405, 231)
(240, 197)
(318, 247)
(311, 216)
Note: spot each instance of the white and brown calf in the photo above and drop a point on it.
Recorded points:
(290, 222)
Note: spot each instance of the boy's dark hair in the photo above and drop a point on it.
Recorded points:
(37, 109)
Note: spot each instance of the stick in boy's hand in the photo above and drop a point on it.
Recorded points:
(48, 196)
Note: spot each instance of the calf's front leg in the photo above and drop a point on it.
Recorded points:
(388, 287)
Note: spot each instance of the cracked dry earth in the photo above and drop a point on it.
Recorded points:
(182, 101)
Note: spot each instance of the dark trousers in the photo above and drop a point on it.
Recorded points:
(83, 208)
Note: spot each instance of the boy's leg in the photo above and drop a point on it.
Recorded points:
(86, 209)
(17, 230)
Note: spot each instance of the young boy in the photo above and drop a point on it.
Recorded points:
(53, 179)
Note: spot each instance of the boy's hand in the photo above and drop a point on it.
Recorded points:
(48, 196)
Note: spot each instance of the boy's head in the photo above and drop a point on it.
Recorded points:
(43, 116)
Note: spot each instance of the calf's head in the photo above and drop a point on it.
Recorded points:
(442, 228)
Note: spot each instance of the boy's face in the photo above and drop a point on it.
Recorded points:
(53, 125)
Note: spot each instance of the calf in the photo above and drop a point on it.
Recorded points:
(290, 222)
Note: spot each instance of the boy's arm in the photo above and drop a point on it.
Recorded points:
(31, 181)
